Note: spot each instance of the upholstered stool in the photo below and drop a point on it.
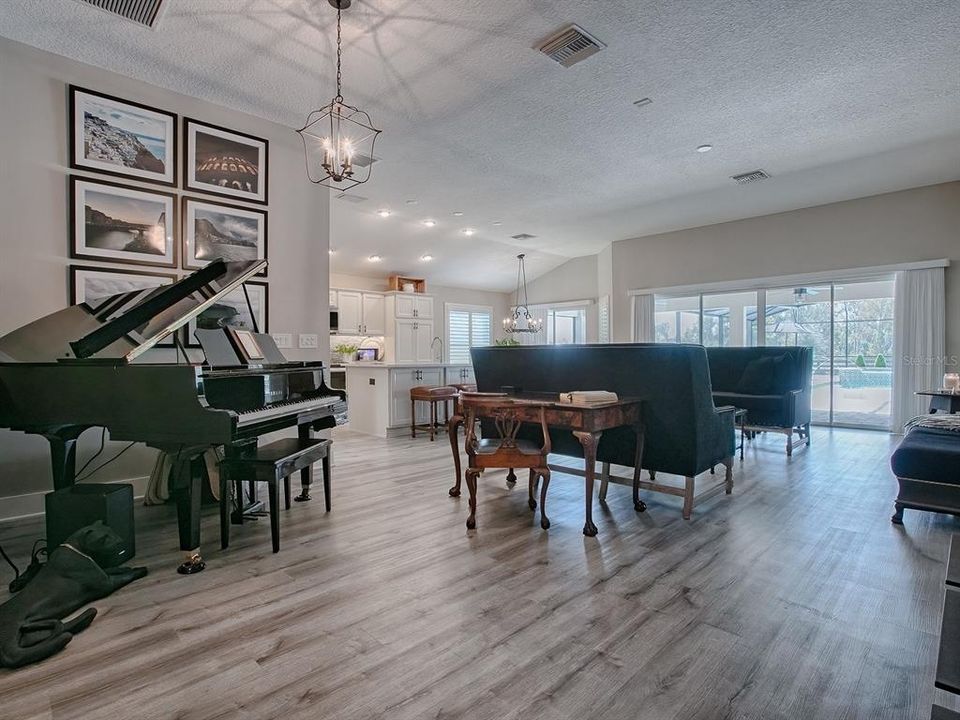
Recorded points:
(434, 396)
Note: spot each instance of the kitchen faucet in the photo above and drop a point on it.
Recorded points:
(433, 342)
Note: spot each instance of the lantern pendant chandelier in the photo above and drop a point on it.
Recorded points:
(521, 321)
(338, 139)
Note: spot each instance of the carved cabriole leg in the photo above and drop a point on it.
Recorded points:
(688, 485)
(728, 462)
(589, 442)
(532, 502)
(544, 472)
(604, 480)
(455, 422)
(471, 479)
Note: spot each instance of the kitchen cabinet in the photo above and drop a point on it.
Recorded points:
(459, 375)
(411, 341)
(409, 331)
(402, 380)
(411, 305)
(361, 313)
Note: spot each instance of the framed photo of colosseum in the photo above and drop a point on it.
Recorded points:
(218, 161)
(120, 137)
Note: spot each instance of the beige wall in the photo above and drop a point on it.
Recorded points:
(498, 301)
(33, 229)
(576, 279)
(901, 227)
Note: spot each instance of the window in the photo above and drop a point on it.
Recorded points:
(467, 326)
(566, 326)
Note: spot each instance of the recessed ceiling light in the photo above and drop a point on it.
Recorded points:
(704, 148)
(426, 258)
(383, 213)
(429, 223)
(374, 258)
(458, 214)
(468, 231)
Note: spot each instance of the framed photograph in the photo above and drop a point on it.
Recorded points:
(122, 224)
(120, 137)
(91, 285)
(232, 312)
(216, 230)
(224, 162)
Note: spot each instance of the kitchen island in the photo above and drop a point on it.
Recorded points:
(379, 393)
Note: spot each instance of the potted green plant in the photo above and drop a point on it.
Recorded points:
(343, 352)
(506, 342)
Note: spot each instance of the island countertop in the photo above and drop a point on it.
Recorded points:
(381, 364)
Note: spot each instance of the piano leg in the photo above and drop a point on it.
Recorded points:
(306, 474)
(187, 489)
(63, 455)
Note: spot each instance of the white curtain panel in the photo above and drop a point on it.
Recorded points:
(919, 320)
(644, 307)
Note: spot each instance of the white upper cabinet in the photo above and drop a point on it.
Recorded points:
(350, 305)
(360, 313)
(374, 314)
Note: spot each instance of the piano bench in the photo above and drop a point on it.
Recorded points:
(272, 464)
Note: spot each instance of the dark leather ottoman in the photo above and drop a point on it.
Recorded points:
(927, 466)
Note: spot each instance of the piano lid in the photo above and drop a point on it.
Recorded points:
(123, 327)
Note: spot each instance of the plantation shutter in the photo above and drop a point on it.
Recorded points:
(467, 328)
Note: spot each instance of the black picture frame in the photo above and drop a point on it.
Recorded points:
(79, 160)
(78, 273)
(188, 206)
(221, 187)
(79, 243)
(236, 299)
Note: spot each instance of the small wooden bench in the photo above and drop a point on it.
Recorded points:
(272, 463)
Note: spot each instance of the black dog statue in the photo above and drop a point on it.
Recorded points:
(32, 625)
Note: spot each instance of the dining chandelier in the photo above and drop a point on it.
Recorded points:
(521, 321)
(338, 139)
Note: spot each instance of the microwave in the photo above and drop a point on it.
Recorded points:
(334, 321)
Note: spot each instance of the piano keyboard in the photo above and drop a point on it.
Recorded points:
(251, 417)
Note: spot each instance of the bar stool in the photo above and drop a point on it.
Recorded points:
(434, 396)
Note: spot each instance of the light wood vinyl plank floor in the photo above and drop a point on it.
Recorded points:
(793, 598)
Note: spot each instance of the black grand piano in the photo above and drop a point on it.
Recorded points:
(84, 367)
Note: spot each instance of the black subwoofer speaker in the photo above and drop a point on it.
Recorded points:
(75, 507)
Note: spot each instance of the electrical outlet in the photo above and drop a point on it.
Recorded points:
(283, 340)
(308, 342)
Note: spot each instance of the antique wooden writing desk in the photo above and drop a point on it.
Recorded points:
(586, 423)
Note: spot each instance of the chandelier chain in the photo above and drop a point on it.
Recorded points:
(339, 74)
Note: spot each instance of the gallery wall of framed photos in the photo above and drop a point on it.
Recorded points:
(147, 219)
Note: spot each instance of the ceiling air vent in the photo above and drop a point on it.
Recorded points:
(142, 12)
(749, 177)
(523, 236)
(570, 46)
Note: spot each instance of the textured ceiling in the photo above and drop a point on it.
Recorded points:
(835, 99)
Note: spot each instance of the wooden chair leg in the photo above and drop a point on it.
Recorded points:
(325, 463)
(728, 480)
(433, 418)
(471, 479)
(533, 478)
(604, 480)
(688, 487)
(274, 497)
(544, 472)
(224, 508)
(413, 418)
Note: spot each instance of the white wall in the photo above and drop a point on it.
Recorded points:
(498, 301)
(918, 224)
(33, 229)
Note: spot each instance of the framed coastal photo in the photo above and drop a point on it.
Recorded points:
(224, 162)
(122, 224)
(120, 137)
(216, 230)
(92, 285)
(231, 311)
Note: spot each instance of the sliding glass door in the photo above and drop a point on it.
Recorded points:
(849, 325)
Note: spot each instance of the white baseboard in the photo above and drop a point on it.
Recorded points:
(31, 504)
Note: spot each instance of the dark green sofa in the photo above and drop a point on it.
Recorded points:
(771, 383)
(684, 433)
